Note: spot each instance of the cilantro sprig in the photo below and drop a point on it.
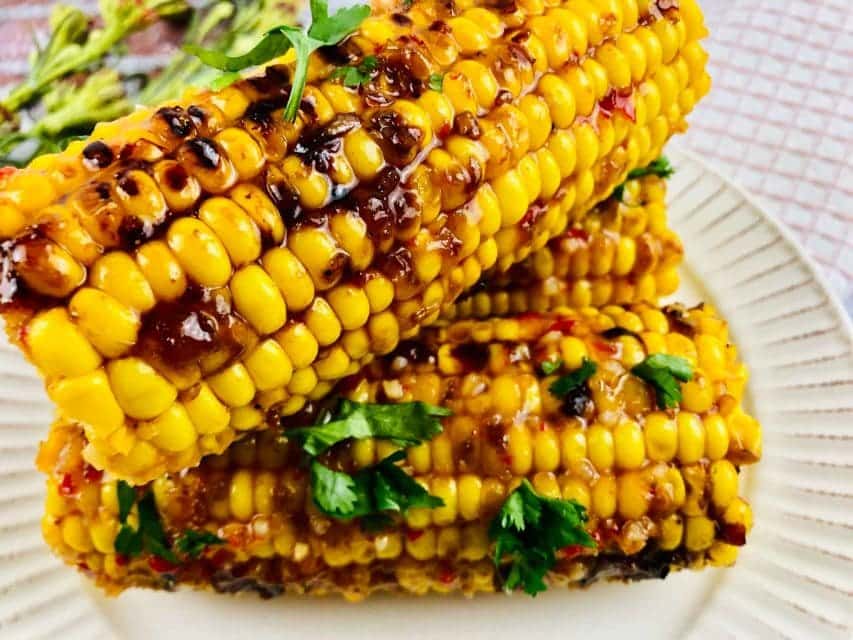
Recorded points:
(528, 532)
(370, 494)
(406, 423)
(551, 366)
(353, 76)
(325, 30)
(660, 167)
(664, 373)
(150, 536)
(564, 385)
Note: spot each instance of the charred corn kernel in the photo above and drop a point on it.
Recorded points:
(57, 347)
(691, 438)
(699, 533)
(140, 391)
(269, 366)
(234, 228)
(444, 186)
(233, 385)
(199, 252)
(258, 299)
(172, 430)
(109, 326)
(161, 270)
(739, 513)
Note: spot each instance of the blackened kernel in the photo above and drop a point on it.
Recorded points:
(97, 155)
(205, 151)
(176, 177)
(177, 119)
(466, 124)
(128, 185)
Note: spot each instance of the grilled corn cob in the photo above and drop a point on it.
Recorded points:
(661, 487)
(190, 268)
(621, 252)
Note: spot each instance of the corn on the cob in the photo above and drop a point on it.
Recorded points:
(188, 269)
(661, 487)
(622, 252)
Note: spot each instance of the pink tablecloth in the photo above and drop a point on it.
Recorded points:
(779, 120)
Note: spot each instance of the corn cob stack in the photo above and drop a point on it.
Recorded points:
(621, 252)
(661, 486)
(188, 269)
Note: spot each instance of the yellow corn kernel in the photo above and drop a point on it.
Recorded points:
(332, 364)
(260, 209)
(482, 81)
(716, 436)
(444, 487)
(246, 418)
(671, 532)
(242, 150)
(380, 293)
(290, 275)
(422, 547)
(661, 437)
(89, 400)
(234, 228)
(604, 497)
(140, 391)
(691, 437)
(699, 533)
(233, 385)
(633, 496)
(299, 344)
(258, 299)
(269, 366)
(724, 483)
(600, 447)
(110, 326)
(103, 534)
(206, 412)
(172, 430)
(546, 450)
(512, 195)
(628, 445)
(117, 275)
(350, 305)
(322, 322)
(75, 533)
(560, 99)
(162, 270)
(57, 347)
(469, 491)
(303, 381)
(199, 252)
(320, 255)
(739, 512)
(180, 190)
(364, 154)
(240, 493)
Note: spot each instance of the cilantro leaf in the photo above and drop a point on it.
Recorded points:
(369, 494)
(192, 543)
(407, 423)
(528, 532)
(126, 497)
(664, 372)
(128, 542)
(325, 30)
(359, 74)
(660, 167)
(564, 385)
(550, 366)
(436, 81)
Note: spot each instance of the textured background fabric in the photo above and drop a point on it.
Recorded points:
(779, 119)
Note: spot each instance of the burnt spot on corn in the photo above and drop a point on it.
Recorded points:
(413, 352)
(577, 403)
(97, 155)
(261, 112)
(178, 121)
(128, 185)
(617, 332)
(466, 124)
(318, 146)
(680, 320)
(274, 82)
(399, 141)
(472, 356)
(205, 151)
(403, 71)
(198, 115)
(176, 177)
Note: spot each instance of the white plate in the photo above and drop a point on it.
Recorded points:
(794, 579)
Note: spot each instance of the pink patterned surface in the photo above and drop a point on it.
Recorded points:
(779, 120)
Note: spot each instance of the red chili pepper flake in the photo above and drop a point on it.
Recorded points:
(413, 534)
(734, 534)
(543, 426)
(507, 459)
(83, 566)
(7, 171)
(571, 551)
(122, 560)
(528, 315)
(23, 334)
(160, 565)
(605, 347)
(444, 131)
(235, 541)
(580, 234)
(563, 325)
(446, 575)
(621, 102)
(91, 474)
(66, 485)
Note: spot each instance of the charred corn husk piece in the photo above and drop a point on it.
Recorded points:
(622, 252)
(661, 487)
(190, 268)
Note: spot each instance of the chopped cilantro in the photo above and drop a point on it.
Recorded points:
(192, 543)
(359, 74)
(564, 385)
(436, 81)
(149, 536)
(528, 532)
(664, 372)
(550, 366)
(407, 423)
(660, 167)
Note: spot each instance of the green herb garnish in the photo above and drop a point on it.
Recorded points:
(550, 366)
(149, 536)
(324, 31)
(192, 543)
(564, 385)
(660, 167)
(370, 494)
(359, 74)
(664, 372)
(407, 423)
(528, 532)
(436, 81)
